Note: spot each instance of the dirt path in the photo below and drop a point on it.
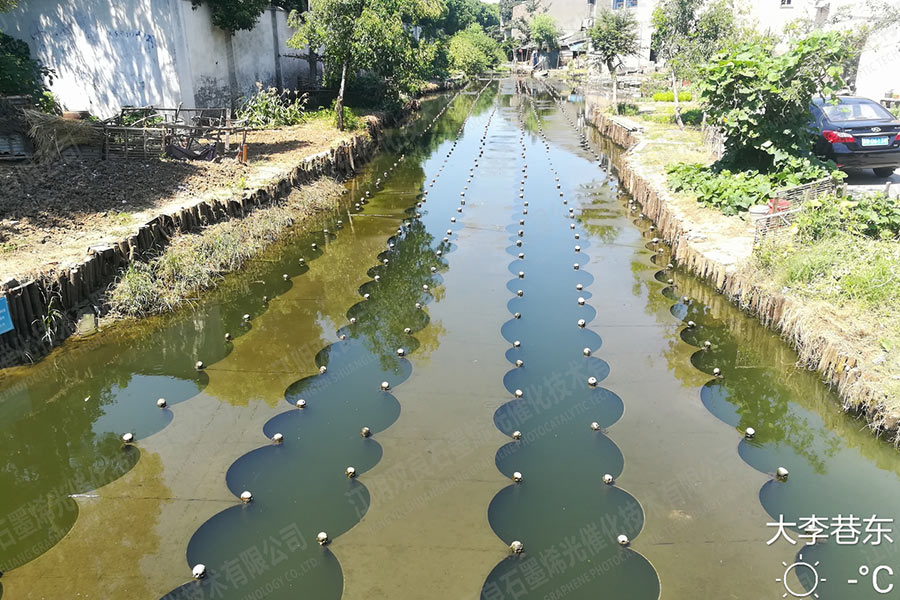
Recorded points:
(51, 214)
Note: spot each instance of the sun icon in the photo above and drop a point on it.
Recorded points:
(809, 575)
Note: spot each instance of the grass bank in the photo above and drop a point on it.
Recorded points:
(831, 287)
(194, 262)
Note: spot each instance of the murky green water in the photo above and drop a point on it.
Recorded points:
(351, 294)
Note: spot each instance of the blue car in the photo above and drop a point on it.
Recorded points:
(857, 133)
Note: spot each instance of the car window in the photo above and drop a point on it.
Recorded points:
(856, 111)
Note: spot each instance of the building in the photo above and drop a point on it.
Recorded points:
(160, 52)
(576, 16)
(878, 74)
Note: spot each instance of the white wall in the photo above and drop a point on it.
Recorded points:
(879, 65)
(161, 52)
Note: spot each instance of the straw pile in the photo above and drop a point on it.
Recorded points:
(52, 134)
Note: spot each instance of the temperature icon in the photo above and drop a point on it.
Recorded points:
(806, 573)
(877, 584)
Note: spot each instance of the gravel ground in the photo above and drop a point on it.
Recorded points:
(865, 182)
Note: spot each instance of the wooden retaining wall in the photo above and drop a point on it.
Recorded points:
(819, 348)
(33, 304)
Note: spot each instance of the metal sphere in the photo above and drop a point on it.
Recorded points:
(749, 433)
(385, 385)
(322, 538)
(246, 496)
(517, 547)
(401, 352)
(161, 403)
(199, 571)
(717, 371)
(199, 365)
(128, 438)
(407, 331)
(350, 472)
(365, 432)
(691, 324)
(622, 540)
(227, 337)
(582, 322)
(278, 438)
(608, 479)
(587, 351)
(781, 473)
(322, 369)
(580, 301)
(301, 403)
(518, 394)
(517, 477)
(592, 381)
(517, 435)
(595, 426)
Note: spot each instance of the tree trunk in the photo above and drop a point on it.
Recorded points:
(612, 75)
(312, 60)
(675, 91)
(339, 104)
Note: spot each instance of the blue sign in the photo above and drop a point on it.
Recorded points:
(6, 323)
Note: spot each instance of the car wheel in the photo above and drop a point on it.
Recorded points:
(884, 171)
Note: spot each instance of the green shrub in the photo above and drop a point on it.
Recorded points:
(668, 96)
(875, 216)
(653, 84)
(472, 51)
(734, 192)
(352, 121)
(760, 98)
(269, 108)
(366, 90)
(22, 75)
(627, 108)
(692, 116)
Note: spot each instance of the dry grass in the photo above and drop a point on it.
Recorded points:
(52, 134)
(196, 262)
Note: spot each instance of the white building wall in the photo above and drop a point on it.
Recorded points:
(139, 52)
(879, 66)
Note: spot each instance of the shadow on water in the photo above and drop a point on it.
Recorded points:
(839, 499)
(304, 485)
(61, 420)
(562, 511)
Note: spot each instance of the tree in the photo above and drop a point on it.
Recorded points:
(761, 100)
(544, 32)
(472, 51)
(356, 35)
(614, 36)
(505, 11)
(686, 33)
(234, 15)
(20, 74)
(881, 15)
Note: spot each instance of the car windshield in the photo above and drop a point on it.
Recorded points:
(856, 111)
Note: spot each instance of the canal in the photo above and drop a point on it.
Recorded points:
(480, 377)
